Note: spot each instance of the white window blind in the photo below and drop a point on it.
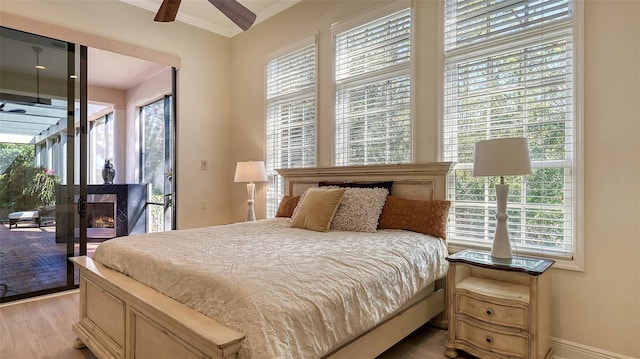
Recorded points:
(373, 91)
(291, 116)
(509, 72)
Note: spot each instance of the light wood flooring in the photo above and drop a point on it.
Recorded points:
(41, 328)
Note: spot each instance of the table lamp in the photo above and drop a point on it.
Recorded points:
(501, 157)
(250, 171)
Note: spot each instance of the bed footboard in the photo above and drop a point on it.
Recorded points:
(122, 318)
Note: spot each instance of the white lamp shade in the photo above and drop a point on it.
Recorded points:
(250, 171)
(502, 157)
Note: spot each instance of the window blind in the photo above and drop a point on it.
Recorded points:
(509, 72)
(373, 91)
(291, 116)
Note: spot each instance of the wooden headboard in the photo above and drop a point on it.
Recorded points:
(423, 181)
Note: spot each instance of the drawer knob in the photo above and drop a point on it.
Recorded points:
(489, 312)
(489, 340)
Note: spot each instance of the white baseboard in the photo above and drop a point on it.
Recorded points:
(564, 349)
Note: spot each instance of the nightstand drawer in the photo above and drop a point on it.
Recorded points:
(509, 344)
(481, 308)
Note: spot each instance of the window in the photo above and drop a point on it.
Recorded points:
(373, 89)
(56, 155)
(101, 146)
(291, 115)
(510, 72)
(156, 158)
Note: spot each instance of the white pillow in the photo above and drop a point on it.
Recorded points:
(360, 209)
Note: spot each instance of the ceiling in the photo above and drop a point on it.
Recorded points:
(30, 99)
(202, 14)
(107, 69)
(117, 71)
(24, 116)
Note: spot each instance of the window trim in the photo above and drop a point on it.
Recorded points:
(348, 24)
(298, 45)
(372, 15)
(169, 154)
(576, 263)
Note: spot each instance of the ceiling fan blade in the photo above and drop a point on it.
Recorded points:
(236, 12)
(168, 11)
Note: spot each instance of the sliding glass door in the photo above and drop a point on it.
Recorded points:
(41, 130)
(78, 168)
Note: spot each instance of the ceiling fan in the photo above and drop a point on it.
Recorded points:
(235, 11)
(15, 110)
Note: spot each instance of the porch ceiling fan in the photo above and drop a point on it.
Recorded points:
(232, 9)
(15, 110)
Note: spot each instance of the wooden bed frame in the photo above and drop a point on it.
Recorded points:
(122, 318)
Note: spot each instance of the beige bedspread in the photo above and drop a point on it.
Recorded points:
(294, 293)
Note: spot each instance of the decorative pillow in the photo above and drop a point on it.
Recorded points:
(295, 210)
(387, 185)
(316, 209)
(428, 217)
(287, 205)
(360, 210)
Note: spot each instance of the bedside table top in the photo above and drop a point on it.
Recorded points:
(529, 265)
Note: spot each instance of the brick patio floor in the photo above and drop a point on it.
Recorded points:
(31, 260)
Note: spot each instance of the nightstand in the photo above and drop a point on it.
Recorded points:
(497, 309)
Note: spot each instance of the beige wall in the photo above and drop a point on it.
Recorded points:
(599, 307)
(124, 104)
(203, 85)
(144, 93)
(116, 102)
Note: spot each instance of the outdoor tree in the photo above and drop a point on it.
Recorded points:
(22, 185)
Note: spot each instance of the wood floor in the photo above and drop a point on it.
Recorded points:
(41, 328)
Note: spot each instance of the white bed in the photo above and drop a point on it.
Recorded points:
(332, 298)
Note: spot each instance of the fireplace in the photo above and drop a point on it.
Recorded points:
(101, 215)
(113, 210)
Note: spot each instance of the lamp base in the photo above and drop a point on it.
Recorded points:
(498, 260)
(501, 249)
(251, 190)
(251, 214)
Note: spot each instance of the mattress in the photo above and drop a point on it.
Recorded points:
(294, 293)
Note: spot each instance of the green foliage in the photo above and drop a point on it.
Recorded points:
(23, 186)
(13, 158)
(13, 155)
(42, 187)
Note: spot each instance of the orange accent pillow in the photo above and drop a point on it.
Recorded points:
(428, 217)
(287, 205)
